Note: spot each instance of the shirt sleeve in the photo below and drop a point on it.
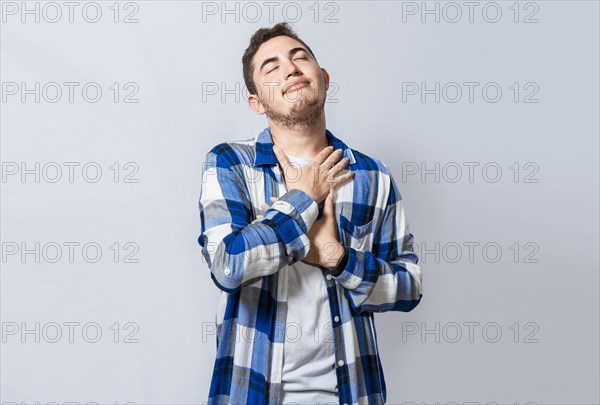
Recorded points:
(238, 248)
(388, 278)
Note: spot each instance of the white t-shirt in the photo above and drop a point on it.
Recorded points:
(309, 360)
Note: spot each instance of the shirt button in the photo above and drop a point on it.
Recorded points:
(227, 271)
(329, 277)
(341, 363)
(337, 318)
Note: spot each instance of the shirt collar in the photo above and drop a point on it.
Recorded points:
(264, 155)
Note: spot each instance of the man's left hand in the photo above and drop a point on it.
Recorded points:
(325, 249)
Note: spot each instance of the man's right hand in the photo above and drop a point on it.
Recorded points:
(317, 177)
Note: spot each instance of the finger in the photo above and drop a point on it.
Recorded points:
(259, 216)
(332, 159)
(321, 156)
(328, 208)
(273, 199)
(264, 206)
(339, 166)
(281, 157)
(332, 176)
(344, 177)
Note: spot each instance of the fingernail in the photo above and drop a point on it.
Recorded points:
(275, 149)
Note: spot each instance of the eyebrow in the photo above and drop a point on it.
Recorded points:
(276, 58)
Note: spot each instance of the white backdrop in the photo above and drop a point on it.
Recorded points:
(486, 113)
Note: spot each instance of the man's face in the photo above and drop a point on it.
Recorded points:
(291, 87)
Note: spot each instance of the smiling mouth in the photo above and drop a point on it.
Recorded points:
(296, 86)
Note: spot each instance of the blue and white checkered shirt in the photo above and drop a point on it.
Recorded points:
(244, 254)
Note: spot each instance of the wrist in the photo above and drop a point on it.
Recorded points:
(321, 205)
(338, 267)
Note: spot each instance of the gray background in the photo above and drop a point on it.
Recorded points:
(543, 302)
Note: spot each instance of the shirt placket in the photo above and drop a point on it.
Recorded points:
(335, 313)
(278, 189)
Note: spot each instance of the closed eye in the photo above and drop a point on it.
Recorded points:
(304, 58)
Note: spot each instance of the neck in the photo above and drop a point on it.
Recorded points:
(304, 142)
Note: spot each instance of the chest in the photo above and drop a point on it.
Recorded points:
(358, 202)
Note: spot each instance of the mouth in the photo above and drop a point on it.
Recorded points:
(296, 86)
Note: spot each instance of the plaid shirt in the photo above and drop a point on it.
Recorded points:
(379, 272)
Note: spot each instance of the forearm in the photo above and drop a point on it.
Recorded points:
(262, 247)
(378, 285)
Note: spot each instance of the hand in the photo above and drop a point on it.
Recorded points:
(317, 177)
(264, 207)
(325, 249)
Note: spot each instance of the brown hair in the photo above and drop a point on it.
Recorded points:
(258, 38)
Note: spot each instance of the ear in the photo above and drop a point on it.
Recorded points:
(326, 77)
(255, 104)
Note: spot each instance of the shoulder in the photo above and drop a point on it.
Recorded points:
(232, 153)
(371, 164)
(379, 175)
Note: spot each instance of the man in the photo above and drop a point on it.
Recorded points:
(300, 278)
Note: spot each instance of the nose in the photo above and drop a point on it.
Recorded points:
(291, 69)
